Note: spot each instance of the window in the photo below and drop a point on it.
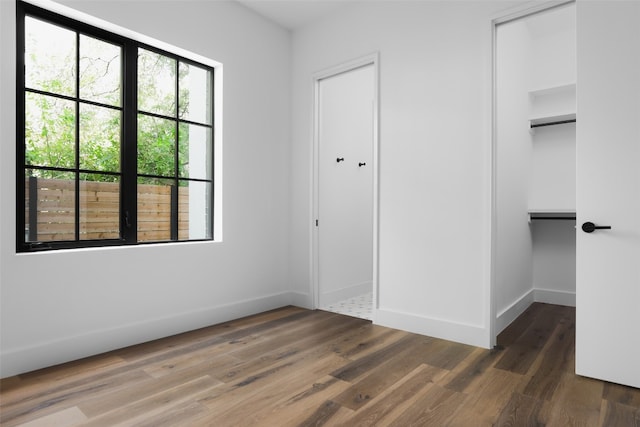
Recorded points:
(115, 138)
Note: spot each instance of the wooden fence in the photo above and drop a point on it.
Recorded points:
(54, 207)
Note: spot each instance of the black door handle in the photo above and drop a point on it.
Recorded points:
(340, 159)
(361, 164)
(589, 227)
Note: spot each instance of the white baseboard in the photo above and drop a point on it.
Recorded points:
(17, 361)
(551, 296)
(463, 333)
(328, 298)
(511, 313)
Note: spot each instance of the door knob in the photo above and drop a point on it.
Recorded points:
(589, 227)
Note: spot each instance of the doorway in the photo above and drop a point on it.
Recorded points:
(534, 170)
(345, 189)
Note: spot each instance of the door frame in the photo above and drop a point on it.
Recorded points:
(512, 14)
(372, 59)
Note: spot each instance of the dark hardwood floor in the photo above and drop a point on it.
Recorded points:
(295, 367)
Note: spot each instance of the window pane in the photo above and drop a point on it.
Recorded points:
(194, 210)
(49, 131)
(99, 138)
(156, 83)
(49, 205)
(99, 207)
(50, 57)
(156, 146)
(195, 151)
(100, 71)
(154, 209)
(195, 94)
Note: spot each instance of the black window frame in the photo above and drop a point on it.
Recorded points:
(128, 143)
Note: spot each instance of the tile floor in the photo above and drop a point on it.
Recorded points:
(360, 306)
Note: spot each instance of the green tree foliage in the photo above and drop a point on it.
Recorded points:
(50, 122)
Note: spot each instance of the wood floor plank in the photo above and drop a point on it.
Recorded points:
(230, 408)
(273, 317)
(556, 360)
(330, 417)
(295, 408)
(164, 349)
(46, 401)
(317, 343)
(372, 338)
(486, 398)
(397, 398)
(182, 414)
(385, 375)
(447, 354)
(10, 384)
(360, 366)
(280, 380)
(519, 356)
(470, 369)
(622, 394)
(576, 402)
(25, 386)
(296, 367)
(322, 415)
(150, 406)
(435, 408)
(515, 330)
(314, 356)
(66, 418)
(180, 363)
(302, 333)
(71, 371)
(521, 410)
(159, 351)
(616, 414)
(106, 402)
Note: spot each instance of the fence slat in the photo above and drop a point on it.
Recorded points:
(50, 210)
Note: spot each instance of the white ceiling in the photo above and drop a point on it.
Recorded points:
(293, 14)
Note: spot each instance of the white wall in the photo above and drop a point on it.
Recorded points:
(434, 157)
(554, 261)
(62, 305)
(554, 49)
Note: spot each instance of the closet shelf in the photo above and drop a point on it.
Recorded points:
(552, 214)
(550, 120)
(553, 90)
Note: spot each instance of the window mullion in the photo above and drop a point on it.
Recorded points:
(129, 168)
(176, 188)
(77, 145)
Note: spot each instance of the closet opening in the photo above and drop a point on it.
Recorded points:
(534, 169)
(345, 211)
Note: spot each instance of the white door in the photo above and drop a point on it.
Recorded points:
(608, 191)
(345, 188)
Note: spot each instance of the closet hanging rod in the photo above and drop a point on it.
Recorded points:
(535, 218)
(559, 122)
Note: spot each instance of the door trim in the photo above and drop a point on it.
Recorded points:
(512, 14)
(374, 60)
